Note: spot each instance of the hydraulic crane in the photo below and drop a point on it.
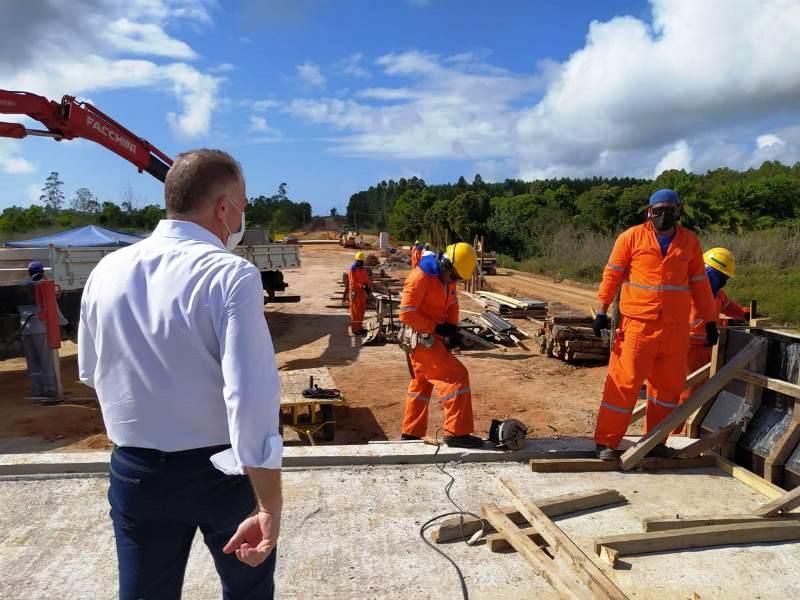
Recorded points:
(72, 119)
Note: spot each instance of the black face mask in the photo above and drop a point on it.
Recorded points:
(664, 221)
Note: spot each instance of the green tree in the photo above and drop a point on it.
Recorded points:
(85, 201)
(467, 215)
(52, 195)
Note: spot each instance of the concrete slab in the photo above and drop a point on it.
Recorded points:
(352, 532)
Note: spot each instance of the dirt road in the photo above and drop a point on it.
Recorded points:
(551, 397)
(541, 288)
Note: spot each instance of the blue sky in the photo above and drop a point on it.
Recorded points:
(333, 96)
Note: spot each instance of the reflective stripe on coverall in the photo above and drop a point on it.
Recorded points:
(357, 278)
(427, 302)
(657, 294)
(699, 355)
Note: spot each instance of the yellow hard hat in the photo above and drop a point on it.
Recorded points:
(462, 258)
(360, 256)
(722, 260)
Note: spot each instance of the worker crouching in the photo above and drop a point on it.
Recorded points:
(360, 286)
(659, 265)
(429, 313)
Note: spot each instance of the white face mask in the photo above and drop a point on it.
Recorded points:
(234, 237)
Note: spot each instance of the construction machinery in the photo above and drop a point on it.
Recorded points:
(69, 267)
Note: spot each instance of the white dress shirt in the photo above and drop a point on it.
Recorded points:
(173, 338)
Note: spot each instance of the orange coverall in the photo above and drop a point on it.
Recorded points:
(699, 355)
(427, 302)
(653, 342)
(416, 253)
(357, 278)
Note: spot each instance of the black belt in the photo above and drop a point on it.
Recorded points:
(152, 453)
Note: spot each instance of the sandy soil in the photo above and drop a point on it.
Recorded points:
(553, 398)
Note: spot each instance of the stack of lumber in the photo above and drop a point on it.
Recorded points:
(570, 338)
(493, 328)
(512, 308)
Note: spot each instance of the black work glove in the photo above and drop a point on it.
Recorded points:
(446, 329)
(600, 323)
(712, 335)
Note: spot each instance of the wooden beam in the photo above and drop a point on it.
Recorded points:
(565, 549)
(451, 529)
(671, 523)
(595, 465)
(696, 377)
(709, 442)
(718, 353)
(770, 383)
(701, 397)
(549, 569)
(783, 503)
(699, 537)
(750, 479)
(497, 543)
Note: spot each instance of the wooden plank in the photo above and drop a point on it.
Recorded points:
(717, 360)
(294, 382)
(564, 583)
(715, 440)
(770, 383)
(783, 503)
(497, 543)
(750, 479)
(701, 397)
(565, 549)
(451, 529)
(671, 523)
(595, 465)
(639, 413)
(699, 537)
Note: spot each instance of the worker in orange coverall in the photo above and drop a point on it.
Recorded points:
(359, 285)
(416, 254)
(429, 313)
(720, 266)
(659, 265)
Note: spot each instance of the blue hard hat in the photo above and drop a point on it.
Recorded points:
(664, 196)
(36, 267)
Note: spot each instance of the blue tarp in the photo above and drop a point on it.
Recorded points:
(91, 235)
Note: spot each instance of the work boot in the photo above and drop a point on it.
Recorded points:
(463, 441)
(661, 451)
(408, 437)
(605, 453)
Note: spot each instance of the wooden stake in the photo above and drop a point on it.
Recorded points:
(671, 523)
(699, 399)
(780, 504)
(717, 360)
(574, 560)
(699, 537)
(451, 529)
(565, 584)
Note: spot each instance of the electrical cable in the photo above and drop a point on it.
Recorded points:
(318, 393)
(459, 511)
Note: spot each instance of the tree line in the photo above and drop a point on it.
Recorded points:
(520, 218)
(53, 212)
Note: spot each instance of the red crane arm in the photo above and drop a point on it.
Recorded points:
(73, 119)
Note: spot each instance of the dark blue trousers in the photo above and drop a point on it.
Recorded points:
(158, 500)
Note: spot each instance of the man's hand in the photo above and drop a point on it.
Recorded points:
(712, 335)
(255, 538)
(600, 323)
(446, 329)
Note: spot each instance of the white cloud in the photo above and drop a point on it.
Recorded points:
(679, 157)
(769, 140)
(108, 54)
(265, 132)
(351, 65)
(311, 74)
(262, 105)
(223, 68)
(693, 86)
(10, 160)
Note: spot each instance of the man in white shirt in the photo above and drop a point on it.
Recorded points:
(173, 338)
